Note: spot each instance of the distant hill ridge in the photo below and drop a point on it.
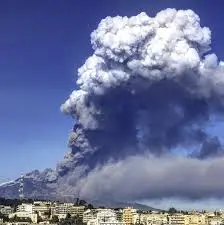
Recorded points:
(115, 204)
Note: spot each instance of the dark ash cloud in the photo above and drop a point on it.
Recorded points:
(150, 87)
(147, 177)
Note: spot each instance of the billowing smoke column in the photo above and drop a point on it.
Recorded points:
(144, 100)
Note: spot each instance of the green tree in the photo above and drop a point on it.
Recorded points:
(20, 219)
(4, 217)
(71, 221)
(172, 210)
(39, 219)
(217, 213)
(90, 206)
(48, 213)
(54, 219)
(82, 202)
(77, 201)
(68, 216)
(14, 219)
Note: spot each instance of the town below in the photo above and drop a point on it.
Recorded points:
(25, 212)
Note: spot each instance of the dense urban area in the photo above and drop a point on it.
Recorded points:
(24, 212)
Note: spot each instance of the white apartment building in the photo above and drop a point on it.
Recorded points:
(63, 209)
(215, 220)
(105, 217)
(195, 219)
(78, 211)
(25, 208)
(18, 223)
(177, 219)
(119, 214)
(112, 223)
(42, 208)
(24, 214)
(153, 219)
(6, 210)
(89, 214)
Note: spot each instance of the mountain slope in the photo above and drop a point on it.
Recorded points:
(37, 188)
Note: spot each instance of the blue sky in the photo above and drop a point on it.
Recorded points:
(42, 44)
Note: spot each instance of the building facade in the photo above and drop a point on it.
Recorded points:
(61, 210)
(129, 216)
(89, 214)
(105, 217)
(177, 219)
(6, 210)
(25, 208)
(154, 219)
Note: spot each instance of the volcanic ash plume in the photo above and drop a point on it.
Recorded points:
(145, 98)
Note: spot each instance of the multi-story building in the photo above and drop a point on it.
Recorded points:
(119, 214)
(61, 210)
(89, 214)
(25, 211)
(177, 219)
(154, 219)
(25, 208)
(195, 219)
(18, 223)
(215, 220)
(128, 215)
(43, 209)
(189, 219)
(24, 214)
(111, 223)
(6, 210)
(105, 217)
(78, 211)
